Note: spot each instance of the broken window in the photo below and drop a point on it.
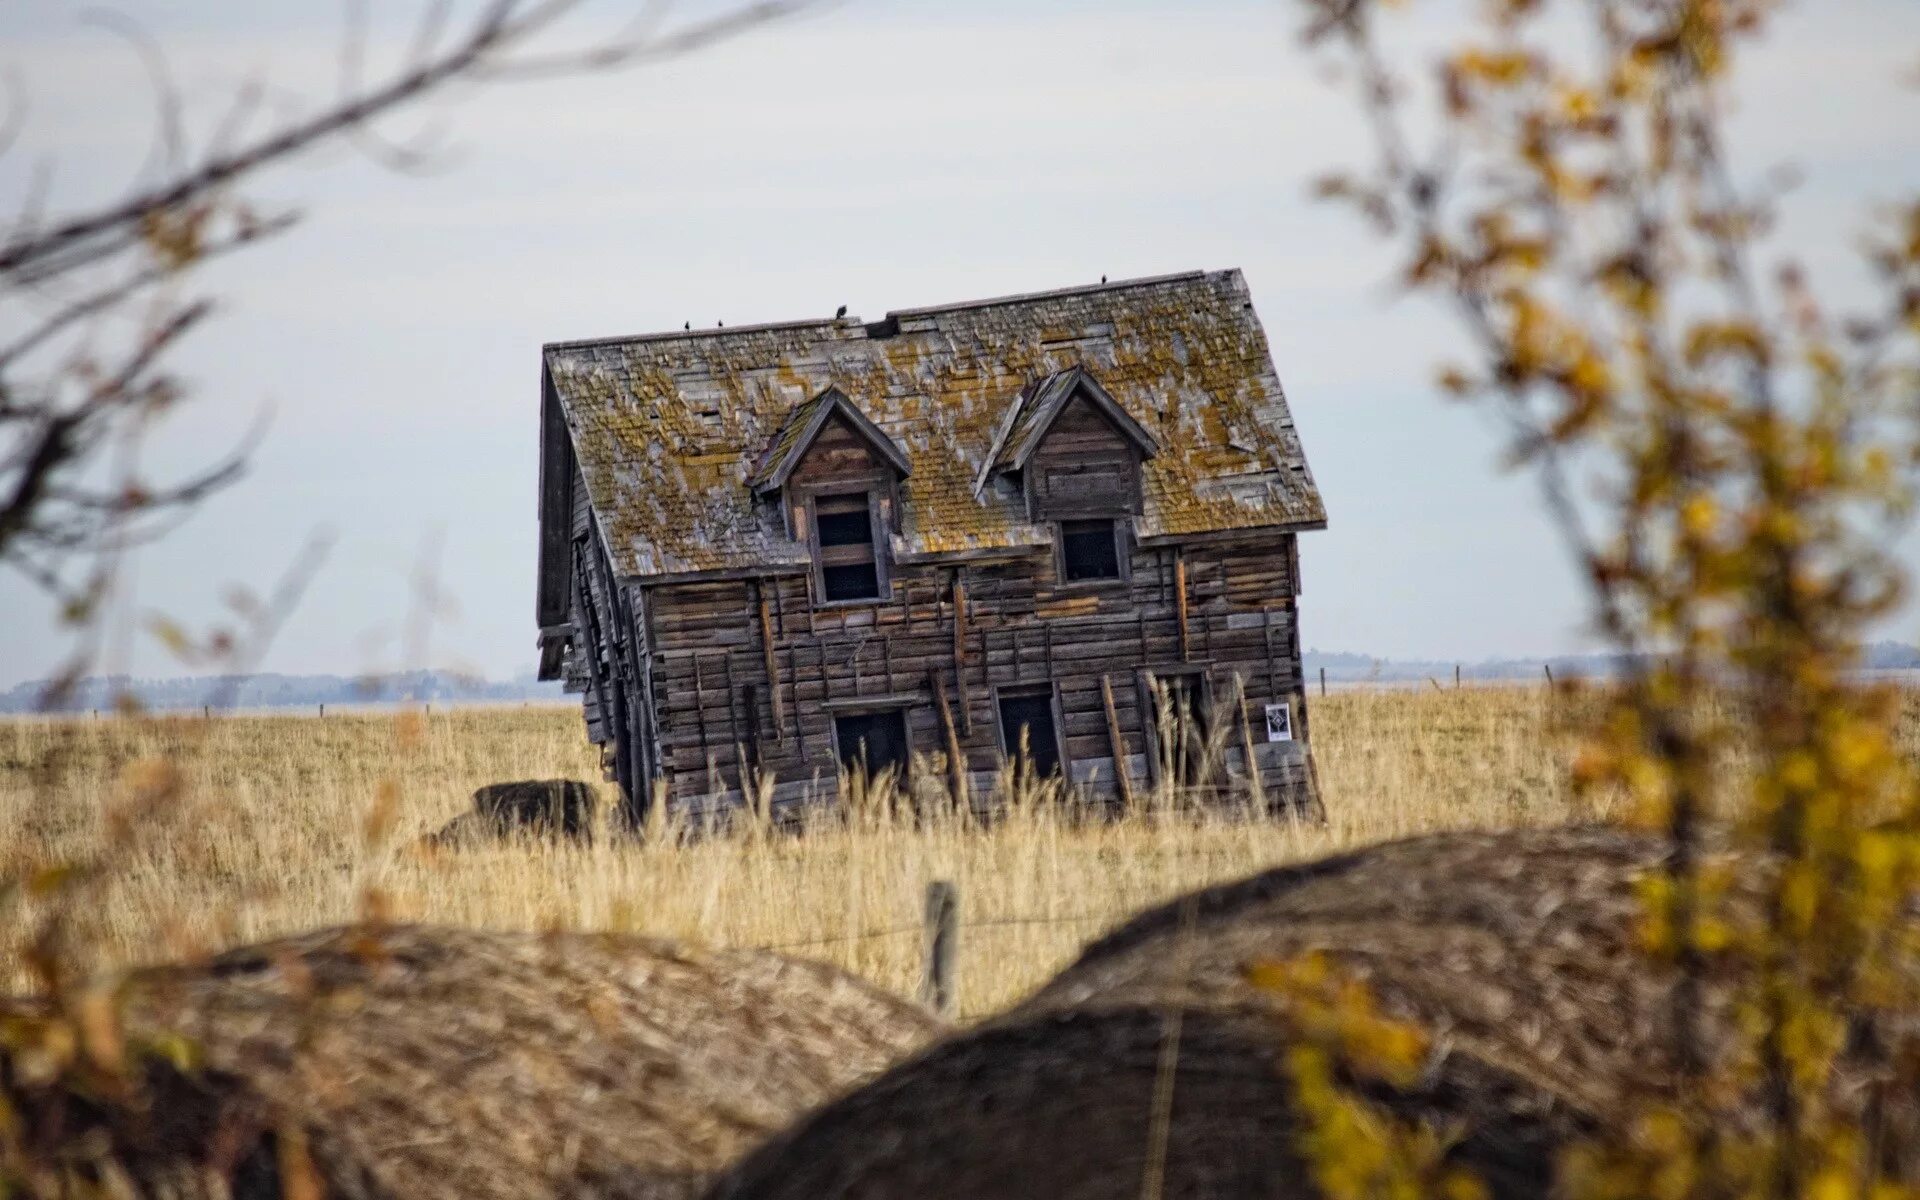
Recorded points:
(1090, 550)
(872, 743)
(1027, 729)
(846, 553)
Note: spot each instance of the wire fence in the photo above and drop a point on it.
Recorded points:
(940, 931)
(920, 928)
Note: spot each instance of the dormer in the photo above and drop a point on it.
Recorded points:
(836, 476)
(1075, 454)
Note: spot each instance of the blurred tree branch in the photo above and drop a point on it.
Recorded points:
(96, 295)
(1753, 462)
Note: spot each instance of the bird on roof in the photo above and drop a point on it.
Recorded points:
(1103, 279)
(723, 324)
(840, 313)
(688, 326)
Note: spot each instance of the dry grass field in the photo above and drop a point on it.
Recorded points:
(268, 824)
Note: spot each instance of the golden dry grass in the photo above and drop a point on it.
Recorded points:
(287, 823)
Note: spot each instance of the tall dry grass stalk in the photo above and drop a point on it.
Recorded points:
(288, 823)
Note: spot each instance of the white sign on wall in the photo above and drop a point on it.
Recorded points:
(1279, 723)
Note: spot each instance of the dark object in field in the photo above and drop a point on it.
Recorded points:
(1516, 951)
(544, 807)
(424, 1062)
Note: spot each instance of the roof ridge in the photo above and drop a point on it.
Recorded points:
(1054, 293)
(893, 315)
(670, 334)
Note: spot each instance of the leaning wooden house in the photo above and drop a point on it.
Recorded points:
(921, 543)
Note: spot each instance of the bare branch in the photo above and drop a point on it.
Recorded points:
(413, 158)
(112, 297)
(427, 34)
(170, 139)
(496, 30)
(640, 44)
(76, 273)
(15, 119)
(60, 438)
(246, 103)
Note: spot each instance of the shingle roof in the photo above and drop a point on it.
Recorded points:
(669, 429)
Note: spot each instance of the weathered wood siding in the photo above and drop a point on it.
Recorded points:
(840, 461)
(1086, 467)
(606, 658)
(712, 697)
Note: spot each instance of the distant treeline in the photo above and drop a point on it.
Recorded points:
(274, 691)
(1359, 668)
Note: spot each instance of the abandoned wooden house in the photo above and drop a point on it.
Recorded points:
(1031, 526)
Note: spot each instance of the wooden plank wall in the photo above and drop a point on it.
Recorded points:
(606, 660)
(711, 692)
(1084, 468)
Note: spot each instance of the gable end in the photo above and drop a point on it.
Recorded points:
(804, 425)
(1051, 398)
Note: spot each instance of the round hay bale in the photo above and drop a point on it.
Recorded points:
(546, 807)
(421, 1062)
(554, 809)
(1515, 951)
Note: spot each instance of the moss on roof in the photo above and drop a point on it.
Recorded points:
(668, 429)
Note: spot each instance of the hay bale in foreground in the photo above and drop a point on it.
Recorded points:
(425, 1062)
(1516, 951)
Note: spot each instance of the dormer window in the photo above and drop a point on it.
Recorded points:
(1076, 454)
(837, 476)
(847, 564)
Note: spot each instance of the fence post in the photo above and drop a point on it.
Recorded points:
(942, 941)
(1456, 674)
(1323, 681)
(1548, 667)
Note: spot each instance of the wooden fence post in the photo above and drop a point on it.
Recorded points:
(1456, 674)
(1548, 668)
(942, 941)
(1323, 681)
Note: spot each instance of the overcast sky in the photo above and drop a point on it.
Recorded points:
(874, 155)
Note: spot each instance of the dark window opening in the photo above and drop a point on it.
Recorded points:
(1089, 550)
(845, 549)
(861, 581)
(872, 743)
(1029, 720)
(854, 528)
